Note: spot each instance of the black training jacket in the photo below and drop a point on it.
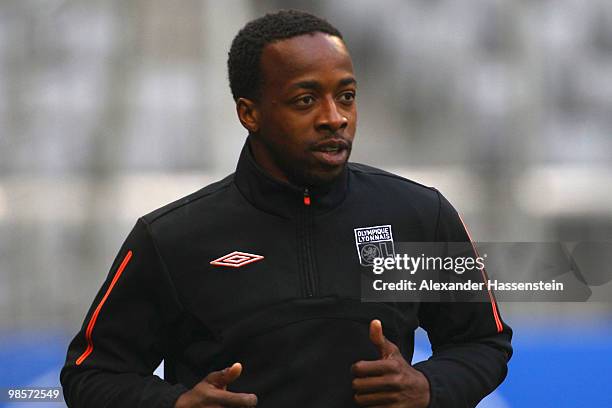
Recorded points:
(292, 318)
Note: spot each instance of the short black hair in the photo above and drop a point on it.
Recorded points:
(243, 63)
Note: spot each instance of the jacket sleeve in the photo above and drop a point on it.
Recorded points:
(125, 334)
(470, 343)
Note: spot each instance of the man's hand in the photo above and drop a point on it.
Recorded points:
(390, 381)
(212, 391)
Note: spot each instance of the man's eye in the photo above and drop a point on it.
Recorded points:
(347, 97)
(306, 100)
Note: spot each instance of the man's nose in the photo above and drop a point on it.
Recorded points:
(330, 118)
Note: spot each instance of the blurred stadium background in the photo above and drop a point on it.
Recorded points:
(109, 109)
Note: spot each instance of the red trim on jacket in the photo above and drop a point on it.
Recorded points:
(94, 317)
(498, 323)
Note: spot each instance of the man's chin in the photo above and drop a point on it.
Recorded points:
(322, 177)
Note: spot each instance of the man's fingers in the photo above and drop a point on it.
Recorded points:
(367, 385)
(376, 334)
(211, 391)
(376, 368)
(221, 379)
(232, 399)
(377, 399)
(385, 347)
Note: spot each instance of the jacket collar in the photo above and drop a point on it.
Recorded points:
(284, 199)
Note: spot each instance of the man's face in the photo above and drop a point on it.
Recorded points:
(307, 113)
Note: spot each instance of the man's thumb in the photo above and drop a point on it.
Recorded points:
(226, 376)
(378, 338)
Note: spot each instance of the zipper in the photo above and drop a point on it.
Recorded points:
(306, 245)
(306, 197)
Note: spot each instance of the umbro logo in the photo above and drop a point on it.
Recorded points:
(236, 259)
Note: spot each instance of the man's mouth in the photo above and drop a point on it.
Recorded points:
(332, 152)
(330, 149)
(332, 145)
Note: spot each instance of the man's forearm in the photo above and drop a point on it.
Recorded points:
(463, 374)
(93, 388)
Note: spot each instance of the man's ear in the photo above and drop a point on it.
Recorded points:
(248, 114)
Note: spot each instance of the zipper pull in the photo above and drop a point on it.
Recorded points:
(306, 196)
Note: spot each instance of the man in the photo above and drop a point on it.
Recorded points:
(249, 289)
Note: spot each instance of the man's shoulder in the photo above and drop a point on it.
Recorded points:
(210, 192)
(393, 181)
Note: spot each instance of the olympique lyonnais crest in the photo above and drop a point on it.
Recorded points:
(374, 242)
